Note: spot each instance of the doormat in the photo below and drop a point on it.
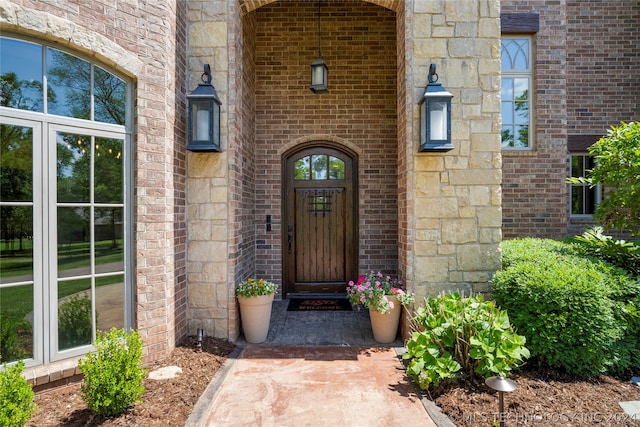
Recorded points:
(319, 304)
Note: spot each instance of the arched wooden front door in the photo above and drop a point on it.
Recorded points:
(320, 250)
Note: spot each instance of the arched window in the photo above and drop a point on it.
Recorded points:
(65, 199)
(318, 167)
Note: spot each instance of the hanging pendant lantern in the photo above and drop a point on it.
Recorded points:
(319, 70)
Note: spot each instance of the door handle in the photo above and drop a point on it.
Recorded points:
(290, 237)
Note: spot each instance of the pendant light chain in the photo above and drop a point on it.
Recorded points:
(319, 44)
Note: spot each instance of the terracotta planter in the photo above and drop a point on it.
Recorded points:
(255, 313)
(385, 326)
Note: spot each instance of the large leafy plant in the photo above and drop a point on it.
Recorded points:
(624, 254)
(462, 335)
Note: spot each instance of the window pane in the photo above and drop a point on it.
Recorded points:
(302, 169)
(108, 171)
(522, 136)
(507, 89)
(108, 237)
(21, 74)
(514, 54)
(74, 313)
(336, 168)
(521, 89)
(522, 112)
(16, 245)
(507, 113)
(589, 200)
(110, 97)
(507, 136)
(69, 85)
(73, 167)
(110, 302)
(577, 166)
(73, 242)
(16, 323)
(16, 168)
(319, 166)
(577, 200)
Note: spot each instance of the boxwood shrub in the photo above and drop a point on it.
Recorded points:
(578, 313)
(16, 396)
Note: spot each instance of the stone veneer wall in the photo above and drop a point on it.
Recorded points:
(212, 235)
(110, 33)
(457, 214)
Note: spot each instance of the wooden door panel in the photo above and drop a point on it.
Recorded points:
(320, 235)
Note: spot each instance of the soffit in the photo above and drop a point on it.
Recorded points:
(247, 6)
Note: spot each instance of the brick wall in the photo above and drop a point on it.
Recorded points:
(359, 47)
(534, 199)
(243, 182)
(109, 32)
(405, 149)
(603, 81)
(586, 81)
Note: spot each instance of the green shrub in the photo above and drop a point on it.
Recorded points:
(74, 320)
(462, 334)
(10, 348)
(16, 396)
(578, 313)
(113, 374)
(594, 242)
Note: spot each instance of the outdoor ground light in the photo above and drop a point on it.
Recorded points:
(501, 385)
(435, 116)
(199, 342)
(319, 70)
(204, 116)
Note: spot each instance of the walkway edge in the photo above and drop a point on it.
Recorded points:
(201, 408)
(432, 409)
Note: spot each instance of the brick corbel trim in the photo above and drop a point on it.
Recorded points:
(519, 22)
(581, 142)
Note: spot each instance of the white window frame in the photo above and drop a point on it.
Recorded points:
(528, 74)
(45, 274)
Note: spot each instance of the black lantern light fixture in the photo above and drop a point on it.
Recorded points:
(435, 116)
(319, 70)
(204, 116)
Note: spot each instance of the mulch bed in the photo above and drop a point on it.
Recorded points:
(544, 397)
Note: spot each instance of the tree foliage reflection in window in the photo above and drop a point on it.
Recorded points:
(75, 88)
(319, 167)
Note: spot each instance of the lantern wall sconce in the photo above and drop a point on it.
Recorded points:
(435, 116)
(204, 116)
(319, 70)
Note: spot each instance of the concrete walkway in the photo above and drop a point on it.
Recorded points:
(315, 369)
